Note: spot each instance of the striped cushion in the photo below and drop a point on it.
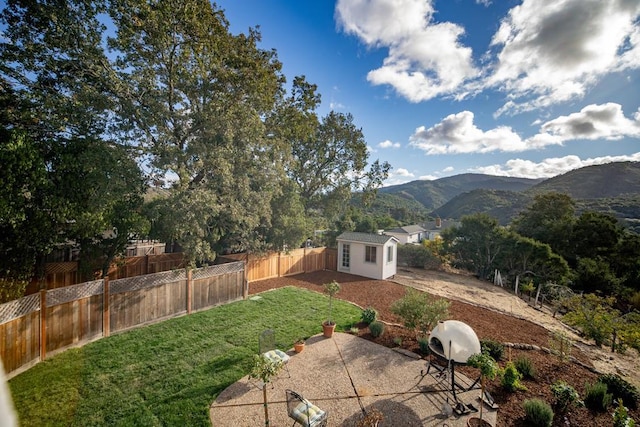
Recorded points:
(307, 411)
(277, 355)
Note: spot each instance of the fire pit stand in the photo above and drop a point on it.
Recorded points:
(461, 342)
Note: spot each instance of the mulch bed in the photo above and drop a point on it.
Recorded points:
(487, 324)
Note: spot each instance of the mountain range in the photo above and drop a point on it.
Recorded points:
(612, 188)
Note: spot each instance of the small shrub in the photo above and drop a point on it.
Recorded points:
(397, 341)
(423, 343)
(621, 416)
(538, 413)
(420, 311)
(494, 348)
(369, 315)
(354, 330)
(621, 389)
(596, 396)
(565, 396)
(525, 367)
(510, 378)
(376, 328)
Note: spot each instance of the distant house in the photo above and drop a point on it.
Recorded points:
(368, 255)
(407, 234)
(432, 229)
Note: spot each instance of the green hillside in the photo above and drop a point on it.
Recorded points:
(611, 188)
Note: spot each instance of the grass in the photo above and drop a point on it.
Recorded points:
(168, 373)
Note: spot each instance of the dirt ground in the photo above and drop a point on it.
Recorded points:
(493, 313)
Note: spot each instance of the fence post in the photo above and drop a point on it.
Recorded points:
(189, 289)
(106, 311)
(304, 259)
(245, 278)
(43, 324)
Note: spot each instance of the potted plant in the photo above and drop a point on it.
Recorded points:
(329, 325)
(488, 370)
(264, 369)
(298, 346)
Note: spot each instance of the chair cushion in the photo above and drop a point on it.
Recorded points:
(277, 355)
(307, 411)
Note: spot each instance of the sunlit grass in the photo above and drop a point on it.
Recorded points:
(170, 372)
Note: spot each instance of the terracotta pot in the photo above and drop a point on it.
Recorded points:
(327, 329)
(298, 347)
(477, 422)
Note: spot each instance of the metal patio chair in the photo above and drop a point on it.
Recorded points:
(304, 412)
(267, 347)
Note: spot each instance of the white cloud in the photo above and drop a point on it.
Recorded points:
(448, 169)
(606, 121)
(457, 133)
(428, 177)
(398, 176)
(543, 52)
(425, 58)
(336, 106)
(554, 51)
(389, 144)
(404, 172)
(549, 167)
(371, 149)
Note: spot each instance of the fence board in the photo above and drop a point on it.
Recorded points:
(331, 259)
(292, 262)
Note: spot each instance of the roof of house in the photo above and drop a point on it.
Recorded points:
(444, 224)
(353, 236)
(408, 229)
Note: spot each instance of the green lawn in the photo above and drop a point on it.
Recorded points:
(167, 374)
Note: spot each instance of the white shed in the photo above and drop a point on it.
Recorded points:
(368, 255)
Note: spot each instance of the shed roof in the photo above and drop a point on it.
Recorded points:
(353, 236)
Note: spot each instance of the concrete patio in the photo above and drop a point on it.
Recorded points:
(346, 375)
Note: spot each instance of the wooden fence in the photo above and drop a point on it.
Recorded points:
(61, 274)
(282, 264)
(50, 321)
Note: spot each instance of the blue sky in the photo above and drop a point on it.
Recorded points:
(529, 88)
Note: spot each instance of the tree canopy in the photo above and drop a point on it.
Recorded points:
(104, 98)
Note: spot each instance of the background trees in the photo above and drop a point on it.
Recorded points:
(102, 98)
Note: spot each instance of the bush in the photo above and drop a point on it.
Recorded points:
(419, 311)
(369, 315)
(538, 413)
(510, 378)
(525, 367)
(565, 396)
(621, 416)
(376, 328)
(621, 389)
(494, 348)
(596, 396)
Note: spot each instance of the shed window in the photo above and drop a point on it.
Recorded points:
(389, 253)
(345, 256)
(370, 254)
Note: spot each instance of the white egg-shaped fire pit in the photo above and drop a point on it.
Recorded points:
(454, 341)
